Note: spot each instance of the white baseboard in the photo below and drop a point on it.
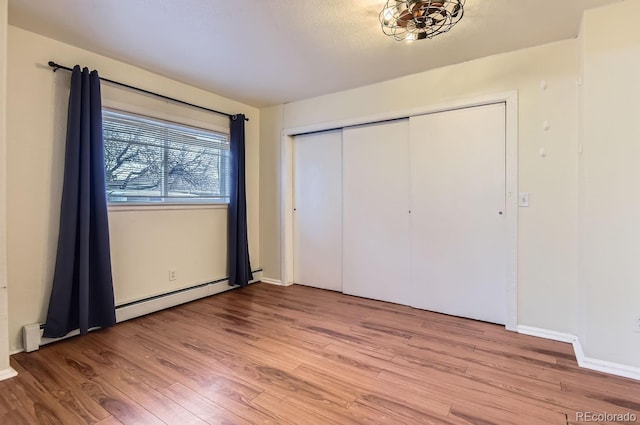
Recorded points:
(546, 334)
(7, 373)
(605, 366)
(590, 363)
(140, 309)
(34, 339)
(271, 281)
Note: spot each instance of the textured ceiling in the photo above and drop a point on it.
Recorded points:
(265, 52)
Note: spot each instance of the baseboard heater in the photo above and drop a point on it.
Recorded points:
(32, 334)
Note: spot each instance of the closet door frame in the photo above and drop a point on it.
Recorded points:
(510, 99)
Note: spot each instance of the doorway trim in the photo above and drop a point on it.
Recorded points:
(510, 99)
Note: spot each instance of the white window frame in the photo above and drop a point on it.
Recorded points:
(196, 203)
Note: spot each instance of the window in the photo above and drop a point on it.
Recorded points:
(150, 160)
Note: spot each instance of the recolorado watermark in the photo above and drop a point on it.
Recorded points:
(605, 417)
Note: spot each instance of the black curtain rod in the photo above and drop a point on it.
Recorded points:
(56, 67)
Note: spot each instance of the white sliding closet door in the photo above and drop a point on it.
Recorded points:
(458, 230)
(317, 230)
(376, 237)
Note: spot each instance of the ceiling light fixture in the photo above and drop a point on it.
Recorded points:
(419, 19)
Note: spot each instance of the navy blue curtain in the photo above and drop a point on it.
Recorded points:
(238, 246)
(82, 293)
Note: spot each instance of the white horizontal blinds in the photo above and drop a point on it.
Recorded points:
(149, 160)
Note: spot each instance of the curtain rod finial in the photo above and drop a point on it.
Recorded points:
(235, 117)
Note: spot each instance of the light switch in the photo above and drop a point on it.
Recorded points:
(524, 200)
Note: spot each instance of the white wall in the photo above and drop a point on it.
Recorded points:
(4, 317)
(145, 242)
(609, 270)
(547, 272)
(270, 190)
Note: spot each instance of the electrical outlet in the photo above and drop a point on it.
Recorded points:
(172, 274)
(636, 323)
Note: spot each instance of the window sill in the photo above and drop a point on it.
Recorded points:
(164, 207)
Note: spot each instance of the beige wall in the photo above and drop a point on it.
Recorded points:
(547, 256)
(609, 269)
(4, 317)
(270, 190)
(146, 242)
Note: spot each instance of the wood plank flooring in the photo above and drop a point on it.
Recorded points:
(298, 355)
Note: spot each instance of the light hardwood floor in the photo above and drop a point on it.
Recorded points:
(298, 355)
